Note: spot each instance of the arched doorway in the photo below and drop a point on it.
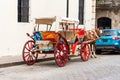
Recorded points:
(104, 23)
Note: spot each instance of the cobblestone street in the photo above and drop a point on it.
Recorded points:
(105, 67)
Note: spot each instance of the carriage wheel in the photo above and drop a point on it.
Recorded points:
(61, 53)
(29, 56)
(85, 52)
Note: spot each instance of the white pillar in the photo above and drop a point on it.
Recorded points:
(90, 13)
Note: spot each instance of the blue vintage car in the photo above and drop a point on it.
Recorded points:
(110, 40)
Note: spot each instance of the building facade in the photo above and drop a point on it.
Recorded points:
(17, 19)
(108, 14)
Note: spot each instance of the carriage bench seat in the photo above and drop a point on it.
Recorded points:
(46, 35)
(67, 34)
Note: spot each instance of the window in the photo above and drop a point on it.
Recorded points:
(118, 33)
(109, 33)
(23, 10)
(81, 11)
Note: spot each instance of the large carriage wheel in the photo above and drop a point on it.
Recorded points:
(61, 53)
(29, 55)
(85, 52)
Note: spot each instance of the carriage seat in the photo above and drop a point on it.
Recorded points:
(67, 34)
(46, 35)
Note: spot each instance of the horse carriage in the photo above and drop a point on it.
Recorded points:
(66, 40)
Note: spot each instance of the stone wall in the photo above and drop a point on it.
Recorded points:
(113, 14)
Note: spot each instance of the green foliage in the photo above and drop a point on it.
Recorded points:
(100, 0)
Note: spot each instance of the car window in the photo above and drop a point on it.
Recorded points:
(118, 33)
(109, 33)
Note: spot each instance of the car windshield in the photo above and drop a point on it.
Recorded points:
(109, 33)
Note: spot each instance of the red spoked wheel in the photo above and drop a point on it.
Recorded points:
(29, 56)
(85, 52)
(61, 53)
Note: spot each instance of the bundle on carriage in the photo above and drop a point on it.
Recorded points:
(58, 43)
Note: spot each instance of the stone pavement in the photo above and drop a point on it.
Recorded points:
(7, 61)
(104, 67)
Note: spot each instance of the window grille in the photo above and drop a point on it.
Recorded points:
(81, 11)
(23, 10)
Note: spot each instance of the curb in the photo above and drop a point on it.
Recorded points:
(10, 64)
(4, 65)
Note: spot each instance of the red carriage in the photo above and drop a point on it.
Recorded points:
(57, 42)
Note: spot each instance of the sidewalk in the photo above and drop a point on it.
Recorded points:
(7, 61)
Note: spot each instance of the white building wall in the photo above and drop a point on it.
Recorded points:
(73, 8)
(13, 34)
(88, 23)
(41, 8)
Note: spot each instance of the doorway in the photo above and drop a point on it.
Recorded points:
(104, 23)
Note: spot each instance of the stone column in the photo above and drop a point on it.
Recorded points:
(93, 14)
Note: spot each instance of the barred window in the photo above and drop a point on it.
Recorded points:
(81, 11)
(23, 10)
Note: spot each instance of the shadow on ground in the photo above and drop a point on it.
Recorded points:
(109, 53)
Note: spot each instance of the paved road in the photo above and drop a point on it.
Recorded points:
(105, 67)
